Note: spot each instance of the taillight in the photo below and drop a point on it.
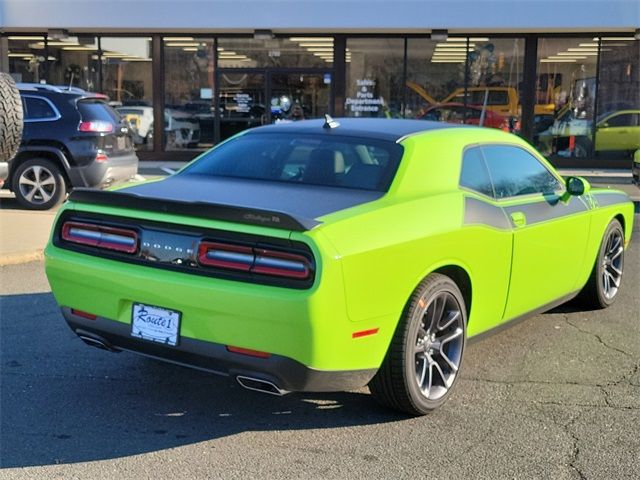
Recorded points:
(221, 255)
(96, 126)
(101, 157)
(254, 260)
(269, 262)
(100, 236)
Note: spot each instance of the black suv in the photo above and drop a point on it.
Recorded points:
(71, 138)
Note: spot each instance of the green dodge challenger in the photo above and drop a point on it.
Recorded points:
(329, 255)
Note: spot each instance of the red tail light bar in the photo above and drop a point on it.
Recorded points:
(100, 236)
(255, 260)
(96, 126)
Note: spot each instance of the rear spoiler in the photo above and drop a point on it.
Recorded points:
(212, 211)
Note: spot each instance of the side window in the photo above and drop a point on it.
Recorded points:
(515, 172)
(622, 120)
(37, 109)
(474, 172)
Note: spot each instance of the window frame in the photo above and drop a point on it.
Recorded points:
(484, 164)
(55, 110)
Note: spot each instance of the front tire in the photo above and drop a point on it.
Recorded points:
(424, 359)
(38, 184)
(603, 285)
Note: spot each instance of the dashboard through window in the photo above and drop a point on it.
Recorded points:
(327, 160)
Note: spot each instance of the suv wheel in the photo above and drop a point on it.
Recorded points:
(38, 184)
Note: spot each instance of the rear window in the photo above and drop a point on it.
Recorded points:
(327, 160)
(92, 110)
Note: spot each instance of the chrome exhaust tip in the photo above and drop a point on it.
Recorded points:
(94, 342)
(260, 385)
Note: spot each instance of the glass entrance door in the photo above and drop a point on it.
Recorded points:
(249, 98)
(297, 96)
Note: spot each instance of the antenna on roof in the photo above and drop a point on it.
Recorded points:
(329, 122)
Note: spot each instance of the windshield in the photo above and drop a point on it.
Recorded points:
(328, 160)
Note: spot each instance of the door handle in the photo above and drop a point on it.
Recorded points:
(519, 219)
(623, 131)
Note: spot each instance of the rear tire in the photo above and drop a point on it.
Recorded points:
(424, 359)
(11, 118)
(38, 184)
(603, 285)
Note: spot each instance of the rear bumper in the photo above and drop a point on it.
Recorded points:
(103, 174)
(285, 373)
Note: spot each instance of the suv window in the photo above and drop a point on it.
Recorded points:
(38, 109)
(515, 172)
(93, 110)
(475, 175)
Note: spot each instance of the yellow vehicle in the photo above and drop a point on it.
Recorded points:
(618, 131)
(502, 100)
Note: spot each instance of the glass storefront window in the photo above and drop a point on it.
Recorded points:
(291, 52)
(27, 58)
(374, 77)
(189, 86)
(617, 133)
(127, 81)
(242, 102)
(565, 96)
(73, 62)
(435, 71)
(494, 76)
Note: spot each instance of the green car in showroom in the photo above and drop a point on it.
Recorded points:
(330, 255)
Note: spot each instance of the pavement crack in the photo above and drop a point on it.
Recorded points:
(597, 337)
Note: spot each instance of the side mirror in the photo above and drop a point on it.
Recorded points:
(603, 125)
(577, 186)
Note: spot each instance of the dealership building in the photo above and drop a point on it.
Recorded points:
(564, 74)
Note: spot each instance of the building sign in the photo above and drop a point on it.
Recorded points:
(365, 99)
(243, 102)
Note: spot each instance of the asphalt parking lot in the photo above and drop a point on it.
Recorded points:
(554, 397)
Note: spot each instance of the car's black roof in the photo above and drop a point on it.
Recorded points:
(380, 128)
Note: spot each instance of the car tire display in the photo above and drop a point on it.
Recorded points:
(11, 118)
(602, 287)
(425, 355)
(38, 184)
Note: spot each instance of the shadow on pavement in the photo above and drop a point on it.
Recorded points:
(64, 402)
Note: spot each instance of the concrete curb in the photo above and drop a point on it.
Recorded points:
(21, 257)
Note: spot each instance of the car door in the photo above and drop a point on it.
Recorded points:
(550, 229)
(620, 131)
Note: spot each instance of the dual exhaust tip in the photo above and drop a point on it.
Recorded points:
(250, 383)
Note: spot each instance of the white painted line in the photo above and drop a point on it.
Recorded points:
(168, 170)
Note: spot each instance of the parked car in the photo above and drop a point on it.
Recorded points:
(615, 132)
(328, 255)
(70, 140)
(468, 115)
(182, 130)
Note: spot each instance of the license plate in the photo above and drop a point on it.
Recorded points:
(121, 143)
(155, 324)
